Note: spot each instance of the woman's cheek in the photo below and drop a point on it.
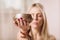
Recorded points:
(40, 21)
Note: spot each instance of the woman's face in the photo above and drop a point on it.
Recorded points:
(37, 17)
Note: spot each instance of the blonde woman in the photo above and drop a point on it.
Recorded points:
(38, 27)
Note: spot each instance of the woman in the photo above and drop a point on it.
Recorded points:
(38, 30)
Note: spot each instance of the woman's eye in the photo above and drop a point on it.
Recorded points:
(39, 15)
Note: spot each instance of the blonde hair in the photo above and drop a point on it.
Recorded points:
(44, 32)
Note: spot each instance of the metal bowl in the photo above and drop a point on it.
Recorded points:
(27, 17)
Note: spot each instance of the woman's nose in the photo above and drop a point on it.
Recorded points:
(35, 17)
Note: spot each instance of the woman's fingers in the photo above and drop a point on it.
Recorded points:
(21, 22)
(16, 22)
(25, 22)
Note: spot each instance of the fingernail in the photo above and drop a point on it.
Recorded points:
(21, 18)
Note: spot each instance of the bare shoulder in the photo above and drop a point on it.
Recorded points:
(51, 37)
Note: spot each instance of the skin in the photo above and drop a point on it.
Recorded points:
(22, 24)
(37, 17)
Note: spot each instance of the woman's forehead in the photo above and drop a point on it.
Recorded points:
(35, 10)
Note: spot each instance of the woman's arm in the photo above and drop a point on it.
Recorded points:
(23, 36)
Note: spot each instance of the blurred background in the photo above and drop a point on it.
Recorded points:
(8, 8)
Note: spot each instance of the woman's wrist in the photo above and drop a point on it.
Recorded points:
(25, 33)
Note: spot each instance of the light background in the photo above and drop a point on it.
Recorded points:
(8, 8)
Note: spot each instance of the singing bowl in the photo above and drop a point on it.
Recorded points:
(27, 17)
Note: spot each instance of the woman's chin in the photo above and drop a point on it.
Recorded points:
(35, 26)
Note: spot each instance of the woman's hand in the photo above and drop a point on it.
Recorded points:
(22, 24)
(24, 28)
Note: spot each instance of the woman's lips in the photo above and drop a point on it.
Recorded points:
(35, 22)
